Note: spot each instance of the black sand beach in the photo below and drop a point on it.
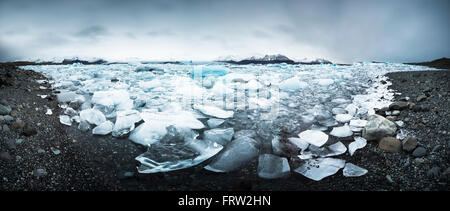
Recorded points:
(38, 153)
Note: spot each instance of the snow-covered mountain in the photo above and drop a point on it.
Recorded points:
(270, 59)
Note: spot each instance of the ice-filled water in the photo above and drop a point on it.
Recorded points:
(187, 113)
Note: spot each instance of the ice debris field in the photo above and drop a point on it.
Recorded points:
(228, 115)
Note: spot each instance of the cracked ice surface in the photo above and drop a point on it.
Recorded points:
(168, 108)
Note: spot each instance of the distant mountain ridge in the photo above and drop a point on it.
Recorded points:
(270, 59)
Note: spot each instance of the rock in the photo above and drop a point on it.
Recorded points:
(378, 127)
(390, 144)
(391, 118)
(434, 172)
(40, 173)
(411, 105)
(421, 98)
(19, 141)
(4, 110)
(5, 156)
(29, 130)
(409, 143)
(5, 128)
(18, 124)
(419, 152)
(398, 106)
(55, 151)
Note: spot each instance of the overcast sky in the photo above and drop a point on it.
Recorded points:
(341, 31)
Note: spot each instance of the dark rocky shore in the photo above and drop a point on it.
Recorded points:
(37, 152)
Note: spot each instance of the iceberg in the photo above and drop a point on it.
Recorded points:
(292, 84)
(93, 116)
(214, 111)
(220, 136)
(359, 143)
(236, 154)
(341, 132)
(317, 169)
(65, 120)
(343, 118)
(179, 151)
(272, 167)
(103, 129)
(314, 137)
(213, 122)
(351, 170)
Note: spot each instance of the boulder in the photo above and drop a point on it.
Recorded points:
(390, 144)
(409, 143)
(378, 127)
(398, 106)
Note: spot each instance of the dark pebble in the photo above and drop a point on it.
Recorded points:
(419, 152)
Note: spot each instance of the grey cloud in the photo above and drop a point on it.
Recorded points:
(92, 32)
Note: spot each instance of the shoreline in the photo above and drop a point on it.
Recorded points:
(87, 162)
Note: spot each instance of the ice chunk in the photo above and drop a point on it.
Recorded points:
(351, 170)
(177, 150)
(336, 111)
(220, 136)
(149, 85)
(93, 116)
(358, 123)
(317, 169)
(214, 111)
(125, 122)
(103, 129)
(111, 98)
(351, 109)
(359, 143)
(236, 154)
(400, 123)
(315, 137)
(292, 84)
(336, 149)
(65, 120)
(148, 133)
(300, 143)
(49, 111)
(213, 122)
(70, 111)
(331, 150)
(245, 133)
(271, 166)
(325, 82)
(64, 97)
(341, 132)
(343, 118)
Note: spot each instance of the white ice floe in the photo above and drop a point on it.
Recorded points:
(317, 169)
(314, 137)
(359, 143)
(343, 118)
(65, 120)
(49, 111)
(103, 129)
(351, 170)
(343, 131)
(213, 122)
(358, 123)
(93, 116)
(214, 111)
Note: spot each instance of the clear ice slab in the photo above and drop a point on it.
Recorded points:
(272, 166)
(314, 137)
(177, 150)
(236, 154)
(317, 169)
(219, 135)
(359, 143)
(351, 170)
